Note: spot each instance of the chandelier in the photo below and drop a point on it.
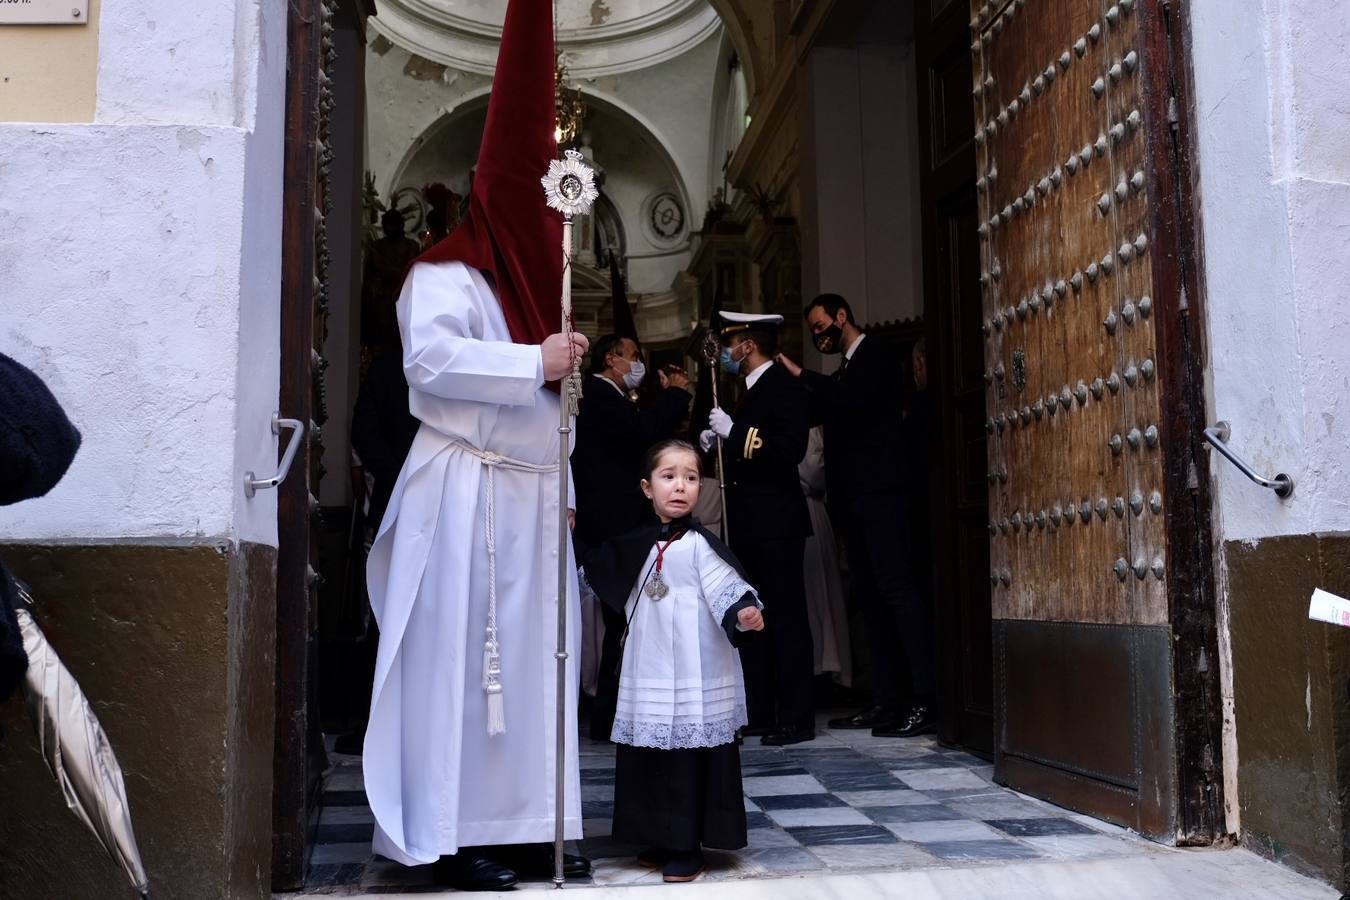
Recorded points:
(569, 110)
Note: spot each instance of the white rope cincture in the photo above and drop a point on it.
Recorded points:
(492, 660)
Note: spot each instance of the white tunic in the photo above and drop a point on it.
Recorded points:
(435, 780)
(681, 684)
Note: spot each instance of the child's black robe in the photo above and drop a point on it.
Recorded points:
(680, 799)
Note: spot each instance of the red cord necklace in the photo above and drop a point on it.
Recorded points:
(657, 587)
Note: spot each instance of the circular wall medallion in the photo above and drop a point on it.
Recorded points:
(665, 216)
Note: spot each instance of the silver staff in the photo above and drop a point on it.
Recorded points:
(569, 187)
(712, 352)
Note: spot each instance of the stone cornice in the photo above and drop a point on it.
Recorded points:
(470, 45)
(773, 110)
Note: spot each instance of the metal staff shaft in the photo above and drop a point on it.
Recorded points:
(721, 467)
(569, 187)
(567, 404)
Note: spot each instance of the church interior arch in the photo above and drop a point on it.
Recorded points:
(644, 210)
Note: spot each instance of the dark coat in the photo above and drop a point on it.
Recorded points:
(860, 408)
(37, 445)
(614, 566)
(37, 441)
(613, 433)
(382, 428)
(767, 442)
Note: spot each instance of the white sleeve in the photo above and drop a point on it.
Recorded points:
(441, 319)
(722, 586)
(811, 470)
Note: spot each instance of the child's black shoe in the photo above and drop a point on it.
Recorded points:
(684, 867)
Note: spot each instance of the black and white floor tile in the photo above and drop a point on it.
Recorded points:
(845, 802)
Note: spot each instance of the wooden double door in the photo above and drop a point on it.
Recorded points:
(1074, 576)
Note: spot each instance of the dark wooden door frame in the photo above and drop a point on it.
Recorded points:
(944, 37)
(295, 773)
(1193, 607)
(299, 757)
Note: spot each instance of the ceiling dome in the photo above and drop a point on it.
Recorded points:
(599, 37)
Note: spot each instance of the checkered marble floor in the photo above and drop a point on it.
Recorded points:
(845, 802)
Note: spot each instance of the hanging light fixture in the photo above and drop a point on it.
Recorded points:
(569, 108)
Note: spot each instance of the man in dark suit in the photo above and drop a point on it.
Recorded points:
(613, 433)
(869, 491)
(762, 443)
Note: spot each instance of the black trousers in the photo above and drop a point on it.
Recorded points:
(779, 662)
(679, 799)
(887, 586)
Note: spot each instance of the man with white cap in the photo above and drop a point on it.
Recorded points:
(762, 443)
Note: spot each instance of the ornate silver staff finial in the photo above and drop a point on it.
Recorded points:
(569, 186)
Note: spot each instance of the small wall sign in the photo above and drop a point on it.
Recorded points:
(1327, 607)
(44, 12)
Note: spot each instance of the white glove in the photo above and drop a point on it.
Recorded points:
(721, 422)
(707, 439)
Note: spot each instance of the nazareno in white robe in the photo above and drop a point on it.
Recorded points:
(680, 685)
(435, 779)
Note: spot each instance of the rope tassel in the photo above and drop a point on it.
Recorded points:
(492, 660)
(492, 685)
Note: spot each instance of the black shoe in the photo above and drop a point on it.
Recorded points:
(684, 867)
(755, 730)
(920, 720)
(653, 858)
(784, 736)
(873, 717)
(470, 870)
(536, 861)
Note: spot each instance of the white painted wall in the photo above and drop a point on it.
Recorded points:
(860, 180)
(1275, 205)
(140, 271)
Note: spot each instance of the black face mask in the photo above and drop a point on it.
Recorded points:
(831, 340)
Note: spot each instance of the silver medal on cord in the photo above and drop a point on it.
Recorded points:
(656, 586)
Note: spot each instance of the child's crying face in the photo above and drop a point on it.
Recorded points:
(672, 485)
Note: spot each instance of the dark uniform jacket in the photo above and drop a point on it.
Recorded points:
(860, 408)
(767, 441)
(612, 435)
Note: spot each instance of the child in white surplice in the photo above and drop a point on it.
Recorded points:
(677, 783)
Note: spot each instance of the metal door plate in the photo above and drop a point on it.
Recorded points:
(44, 12)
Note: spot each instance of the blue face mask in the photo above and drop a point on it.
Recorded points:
(730, 364)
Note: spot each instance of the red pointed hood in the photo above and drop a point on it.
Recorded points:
(509, 233)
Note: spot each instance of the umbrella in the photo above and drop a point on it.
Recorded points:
(77, 752)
